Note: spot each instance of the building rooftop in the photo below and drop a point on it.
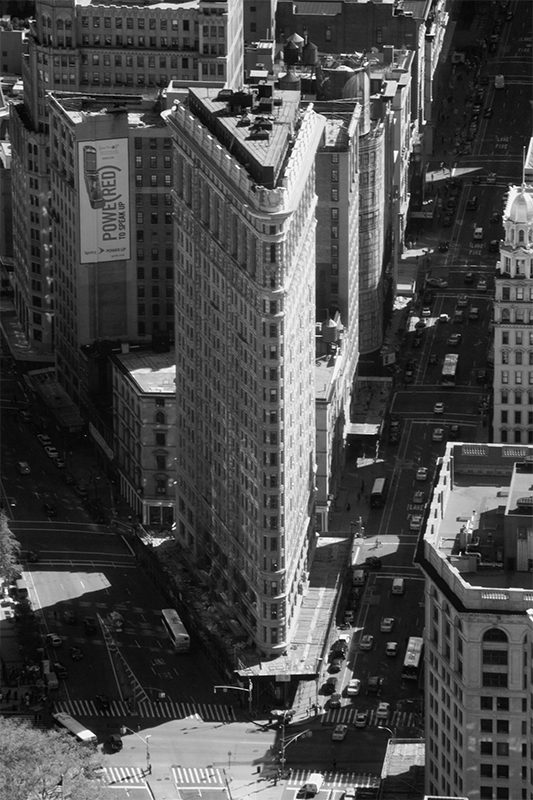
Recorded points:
(139, 4)
(482, 501)
(154, 373)
(142, 111)
(257, 126)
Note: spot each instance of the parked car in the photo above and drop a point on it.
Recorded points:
(339, 732)
(462, 300)
(54, 640)
(115, 742)
(415, 523)
(353, 687)
(419, 497)
(330, 685)
(335, 701)
(437, 435)
(336, 665)
(44, 439)
(496, 217)
(51, 451)
(494, 246)
(455, 430)
(482, 285)
(373, 562)
(439, 283)
(367, 642)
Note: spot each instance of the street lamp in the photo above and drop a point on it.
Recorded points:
(384, 728)
(306, 734)
(239, 689)
(125, 728)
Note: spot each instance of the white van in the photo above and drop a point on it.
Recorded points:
(359, 577)
(398, 586)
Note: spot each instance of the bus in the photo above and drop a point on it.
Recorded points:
(412, 662)
(79, 731)
(449, 369)
(177, 632)
(378, 493)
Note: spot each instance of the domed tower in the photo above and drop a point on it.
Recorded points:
(513, 322)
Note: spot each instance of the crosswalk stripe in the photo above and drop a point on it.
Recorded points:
(197, 776)
(168, 710)
(124, 775)
(300, 776)
(346, 715)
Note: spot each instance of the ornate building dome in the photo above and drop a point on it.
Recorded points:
(521, 210)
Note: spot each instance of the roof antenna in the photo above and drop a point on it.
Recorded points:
(523, 165)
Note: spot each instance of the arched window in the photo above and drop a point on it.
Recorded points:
(160, 417)
(505, 356)
(505, 396)
(495, 635)
(506, 315)
(518, 397)
(60, 24)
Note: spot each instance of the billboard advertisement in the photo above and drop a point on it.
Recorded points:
(104, 200)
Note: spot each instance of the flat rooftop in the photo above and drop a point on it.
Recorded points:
(257, 126)
(481, 505)
(154, 373)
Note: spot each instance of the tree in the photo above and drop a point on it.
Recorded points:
(9, 552)
(47, 765)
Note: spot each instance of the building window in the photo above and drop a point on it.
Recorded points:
(335, 195)
(504, 417)
(160, 485)
(505, 376)
(161, 439)
(334, 176)
(485, 748)
(485, 770)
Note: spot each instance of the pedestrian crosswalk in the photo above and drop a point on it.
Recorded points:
(335, 779)
(397, 720)
(120, 776)
(208, 712)
(197, 777)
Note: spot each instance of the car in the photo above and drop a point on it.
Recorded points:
(336, 665)
(426, 311)
(494, 246)
(478, 233)
(422, 474)
(428, 297)
(391, 649)
(102, 701)
(444, 317)
(439, 283)
(60, 464)
(373, 562)
(415, 523)
(468, 278)
(438, 408)
(23, 467)
(408, 377)
(76, 653)
(89, 624)
(462, 300)
(487, 113)
(375, 684)
(54, 640)
(44, 439)
(348, 616)
(349, 793)
(70, 617)
(367, 642)
(509, 15)
(330, 686)
(339, 732)
(394, 423)
(383, 711)
(420, 325)
(60, 670)
(419, 497)
(433, 358)
(455, 430)
(491, 177)
(454, 340)
(115, 742)
(482, 285)
(51, 451)
(25, 416)
(340, 647)
(50, 510)
(482, 376)
(444, 246)
(353, 687)
(473, 314)
(335, 701)
(386, 624)
(337, 653)
(361, 719)
(458, 316)
(472, 204)
(496, 218)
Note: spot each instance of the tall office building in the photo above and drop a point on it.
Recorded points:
(513, 322)
(112, 48)
(245, 346)
(478, 559)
